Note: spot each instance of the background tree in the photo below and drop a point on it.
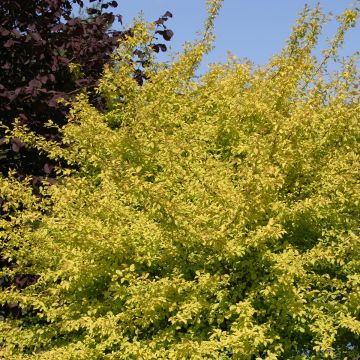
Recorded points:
(47, 55)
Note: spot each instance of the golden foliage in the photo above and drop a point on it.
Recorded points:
(206, 219)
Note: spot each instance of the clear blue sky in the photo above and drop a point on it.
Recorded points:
(254, 29)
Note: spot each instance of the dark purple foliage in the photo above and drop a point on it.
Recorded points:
(38, 40)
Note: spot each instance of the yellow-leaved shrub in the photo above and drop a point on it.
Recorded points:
(201, 219)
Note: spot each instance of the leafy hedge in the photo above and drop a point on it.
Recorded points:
(206, 220)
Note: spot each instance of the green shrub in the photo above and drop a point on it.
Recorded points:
(206, 219)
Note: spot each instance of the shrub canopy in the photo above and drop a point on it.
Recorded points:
(206, 219)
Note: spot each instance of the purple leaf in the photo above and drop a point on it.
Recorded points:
(9, 43)
(4, 32)
(36, 36)
(168, 14)
(34, 83)
(166, 34)
(16, 144)
(48, 168)
(120, 19)
(162, 47)
(16, 32)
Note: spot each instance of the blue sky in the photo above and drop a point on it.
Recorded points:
(254, 29)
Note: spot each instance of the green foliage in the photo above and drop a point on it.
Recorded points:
(206, 219)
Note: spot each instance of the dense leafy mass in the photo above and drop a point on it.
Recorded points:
(206, 219)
